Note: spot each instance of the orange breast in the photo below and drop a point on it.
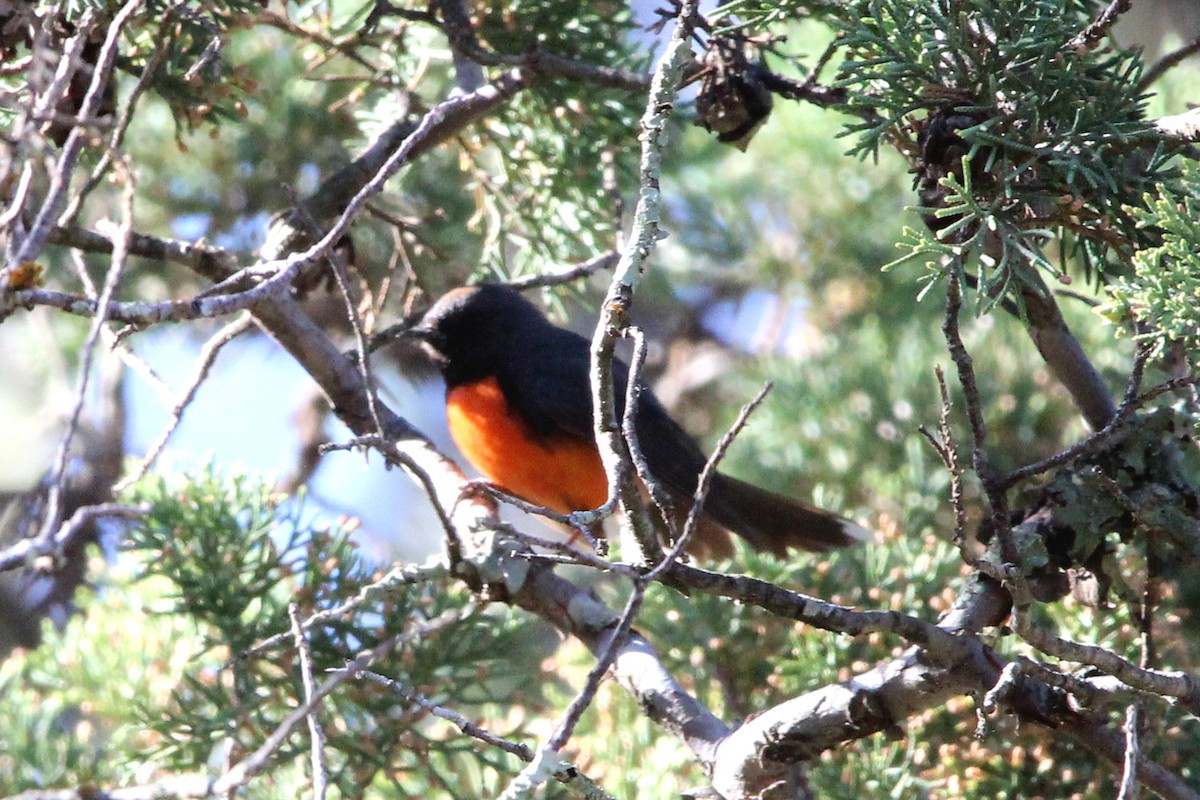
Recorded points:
(564, 475)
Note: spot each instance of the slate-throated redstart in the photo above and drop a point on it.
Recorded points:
(519, 405)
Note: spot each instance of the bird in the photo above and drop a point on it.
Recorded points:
(519, 408)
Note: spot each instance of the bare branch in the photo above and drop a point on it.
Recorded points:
(566, 773)
(29, 551)
(120, 241)
(1124, 414)
(604, 659)
(980, 460)
(1087, 39)
(1133, 751)
(646, 232)
(1184, 126)
(439, 122)
(1165, 683)
(320, 774)
(400, 575)
(338, 265)
(60, 179)
(1111, 747)
(458, 720)
(139, 313)
(659, 497)
(212, 262)
(584, 269)
(208, 356)
(1167, 62)
(467, 51)
(158, 55)
(237, 775)
(1065, 356)
(947, 450)
(819, 613)
(399, 143)
(579, 522)
(706, 476)
(445, 509)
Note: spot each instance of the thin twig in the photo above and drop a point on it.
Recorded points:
(144, 314)
(1165, 683)
(28, 551)
(584, 269)
(60, 179)
(999, 693)
(808, 90)
(69, 62)
(18, 197)
(1091, 692)
(326, 43)
(614, 454)
(279, 272)
(237, 775)
(580, 522)
(612, 190)
(581, 702)
(469, 728)
(980, 461)
(393, 454)
(208, 356)
(120, 240)
(457, 26)
(400, 575)
(204, 258)
(113, 341)
(1131, 402)
(947, 450)
(1109, 745)
(1133, 750)
(585, 696)
(570, 718)
(158, 54)
(819, 613)
(1169, 61)
(320, 773)
(705, 482)
(338, 265)
(1089, 37)
(659, 496)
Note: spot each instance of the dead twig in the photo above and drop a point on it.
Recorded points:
(320, 773)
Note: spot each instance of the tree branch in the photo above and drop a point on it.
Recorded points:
(1087, 39)
(668, 73)
(60, 179)
(1066, 358)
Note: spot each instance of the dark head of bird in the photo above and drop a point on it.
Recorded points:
(468, 329)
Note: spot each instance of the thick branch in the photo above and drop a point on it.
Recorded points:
(757, 755)
(335, 192)
(212, 262)
(1181, 126)
(1066, 358)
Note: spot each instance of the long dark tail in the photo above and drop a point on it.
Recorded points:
(774, 523)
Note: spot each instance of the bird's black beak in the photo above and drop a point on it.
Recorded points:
(430, 340)
(418, 333)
